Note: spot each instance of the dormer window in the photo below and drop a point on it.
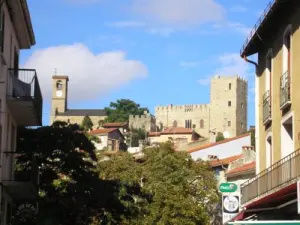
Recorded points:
(59, 85)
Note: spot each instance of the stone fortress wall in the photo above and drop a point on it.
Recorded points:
(145, 121)
(226, 113)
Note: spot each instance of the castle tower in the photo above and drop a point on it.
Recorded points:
(228, 99)
(59, 96)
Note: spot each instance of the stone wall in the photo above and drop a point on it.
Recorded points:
(146, 121)
(78, 119)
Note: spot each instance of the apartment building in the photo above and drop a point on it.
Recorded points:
(272, 193)
(20, 105)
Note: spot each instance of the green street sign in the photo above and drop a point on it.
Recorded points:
(227, 187)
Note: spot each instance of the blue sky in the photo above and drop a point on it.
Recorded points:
(155, 52)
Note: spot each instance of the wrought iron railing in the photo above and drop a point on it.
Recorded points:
(285, 88)
(254, 29)
(280, 173)
(24, 83)
(267, 106)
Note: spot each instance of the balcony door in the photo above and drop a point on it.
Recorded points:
(287, 136)
(268, 80)
(16, 62)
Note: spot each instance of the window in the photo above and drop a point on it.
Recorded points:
(268, 71)
(242, 105)
(188, 124)
(229, 123)
(2, 26)
(59, 85)
(217, 171)
(287, 49)
(175, 123)
(229, 103)
(242, 125)
(229, 86)
(201, 123)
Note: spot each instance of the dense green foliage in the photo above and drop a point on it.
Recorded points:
(120, 110)
(136, 135)
(220, 137)
(87, 123)
(169, 187)
(70, 189)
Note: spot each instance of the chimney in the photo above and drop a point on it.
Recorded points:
(212, 157)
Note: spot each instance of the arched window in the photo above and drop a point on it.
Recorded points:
(175, 123)
(59, 85)
(202, 124)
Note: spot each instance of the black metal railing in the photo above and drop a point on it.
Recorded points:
(24, 83)
(257, 24)
(280, 173)
(267, 110)
(285, 89)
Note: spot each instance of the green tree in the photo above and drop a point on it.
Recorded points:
(220, 137)
(120, 110)
(70, 189)
(136, 135)
(169, 187)
(87, 123)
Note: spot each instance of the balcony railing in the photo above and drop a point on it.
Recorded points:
(285, 90)
(267, 115)
(283, 172)
(23, 84)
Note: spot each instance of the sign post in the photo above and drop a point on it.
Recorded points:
(230, 201)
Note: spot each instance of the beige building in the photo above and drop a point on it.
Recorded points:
(276, 40)
(20, 105)
(110, 139)
(60, 110)
(226, 113)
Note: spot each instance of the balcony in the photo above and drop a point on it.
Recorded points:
(285, 91)
(279, 175)
(267, 115)
(24, 97)
(22, 186)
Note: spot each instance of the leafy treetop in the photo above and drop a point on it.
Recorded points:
(120, 110)
(70, 189)
(220, 137)
(87, 123)
(170, 188)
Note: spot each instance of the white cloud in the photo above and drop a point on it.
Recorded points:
(230, 64)
(179, 12)
(124, 24)
(238, 9)
(165, 32)
(241, 28)
(91, 75)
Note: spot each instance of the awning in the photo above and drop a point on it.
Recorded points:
(269, 222)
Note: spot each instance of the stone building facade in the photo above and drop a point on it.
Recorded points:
(59, 107)
(146, 121)
(226, 113)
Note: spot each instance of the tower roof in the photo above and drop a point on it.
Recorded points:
(60, 77)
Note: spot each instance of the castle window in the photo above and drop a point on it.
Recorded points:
(229, 123)
(229, 86)
(174, 123)
(242, 105)
(242, 125)
(201, 124)
(59, 85)
(229, 103)
(188, 124)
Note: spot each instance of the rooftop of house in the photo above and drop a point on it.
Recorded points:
(199, 148)
(248, 167)
(225, 161)
(83, 112)
(116, 124)
(268, 21)
(103, 131)
(171, 130)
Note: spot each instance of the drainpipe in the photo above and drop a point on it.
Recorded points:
(257, 103)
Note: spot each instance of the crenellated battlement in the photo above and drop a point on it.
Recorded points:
(134, 117)
(239, 78)
(186, 108)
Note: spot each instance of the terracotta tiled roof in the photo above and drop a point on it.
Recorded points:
(177, 130)
(153, 134)
(117, 124)
(243, 168)
(103, 131)
(225, 161)
(195, 149)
